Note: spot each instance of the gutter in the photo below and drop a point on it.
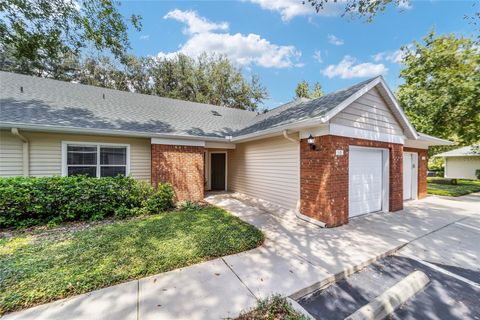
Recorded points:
(26, 153)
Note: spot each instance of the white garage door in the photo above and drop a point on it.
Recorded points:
(365, 191)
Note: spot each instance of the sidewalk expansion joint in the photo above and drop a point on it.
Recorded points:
(236, 275)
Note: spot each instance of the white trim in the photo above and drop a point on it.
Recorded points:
(209, 181)
(414, 175)
(385, 176)
(220, 145)
(25, 151)
(321, 130)
(98, 145)
(411, 129)
(344, 131)
(178, 142)
(361, 92)
(333, 112)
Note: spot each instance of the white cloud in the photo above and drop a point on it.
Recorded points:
(317, 55)
(391, 56)
(348, 68)
(404, 5)
(243, 50)
(289, 9)
(335, 40)
(195, 23)
(145, 37)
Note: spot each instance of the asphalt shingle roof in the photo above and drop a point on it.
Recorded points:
(461, 152)
(59, 103)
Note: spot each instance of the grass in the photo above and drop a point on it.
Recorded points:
(462, 188)
(36, 269)
(273, 308)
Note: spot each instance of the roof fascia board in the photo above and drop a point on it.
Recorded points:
(403, 116)
(177, 142)
(307, 123)
(73, 130)
(361, 92)
(330, 114)
(344, 131)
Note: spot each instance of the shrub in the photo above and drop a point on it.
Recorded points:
(161, 200)
(190, 206)
(477, 173)
(27, 201)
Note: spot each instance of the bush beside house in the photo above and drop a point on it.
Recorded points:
(28, 201)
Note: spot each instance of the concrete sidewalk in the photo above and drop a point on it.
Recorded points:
(296, 258)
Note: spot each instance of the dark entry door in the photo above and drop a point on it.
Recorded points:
(218, 171)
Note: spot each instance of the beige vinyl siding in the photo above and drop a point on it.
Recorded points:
(46, 152)
(369, 112)
(461, 167)
(267, 169)
(11, 155)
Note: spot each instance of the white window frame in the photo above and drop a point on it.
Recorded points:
(98, 145)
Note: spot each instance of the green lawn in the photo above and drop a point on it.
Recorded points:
(462, 188)
(36, 268)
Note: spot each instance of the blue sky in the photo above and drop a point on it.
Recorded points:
(284, 42)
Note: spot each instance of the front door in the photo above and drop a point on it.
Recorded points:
(410, 175)
(218, 171)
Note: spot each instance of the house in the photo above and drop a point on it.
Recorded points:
(345, 154)
(461, 163)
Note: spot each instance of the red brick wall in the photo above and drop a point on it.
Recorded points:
(324, 177)
(422, 170)
(182, 166)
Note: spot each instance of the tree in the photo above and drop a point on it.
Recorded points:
(317, 91)
(38, 36)
(441, 93)
(366, 8)
(303, 90)
(208, 79)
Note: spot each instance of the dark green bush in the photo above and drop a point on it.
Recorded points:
(27, 201)
(161, 200)
(477, 173)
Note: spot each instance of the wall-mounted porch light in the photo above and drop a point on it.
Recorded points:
(311, 142)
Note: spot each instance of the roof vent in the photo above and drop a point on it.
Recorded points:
(215, 113)
(104, 96)
(21, 89)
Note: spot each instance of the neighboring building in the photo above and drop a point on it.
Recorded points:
(461, 163)
(355, 162)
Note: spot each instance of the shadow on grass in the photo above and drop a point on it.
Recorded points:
(37, 272)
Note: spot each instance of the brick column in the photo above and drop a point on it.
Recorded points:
(182, 166)
(324, 177)
(422, 170)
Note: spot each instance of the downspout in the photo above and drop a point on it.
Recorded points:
(26, 153)
(298, 214)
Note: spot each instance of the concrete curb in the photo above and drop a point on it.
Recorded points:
(297, 307)
(343, 274)
(386, 303)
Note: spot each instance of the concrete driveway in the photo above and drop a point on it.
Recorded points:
(296, 259)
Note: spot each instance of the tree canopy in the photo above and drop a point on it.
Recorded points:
(303, 90)
(37, 37)
(209, 79)
(441, 93)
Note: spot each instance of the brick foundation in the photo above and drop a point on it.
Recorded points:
(422, 170)
(182, 166)
(324, 177)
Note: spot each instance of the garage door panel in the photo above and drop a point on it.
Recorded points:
(365, 181)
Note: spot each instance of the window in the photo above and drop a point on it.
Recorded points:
(95, 160)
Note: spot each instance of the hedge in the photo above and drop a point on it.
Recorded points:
(28, 201)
